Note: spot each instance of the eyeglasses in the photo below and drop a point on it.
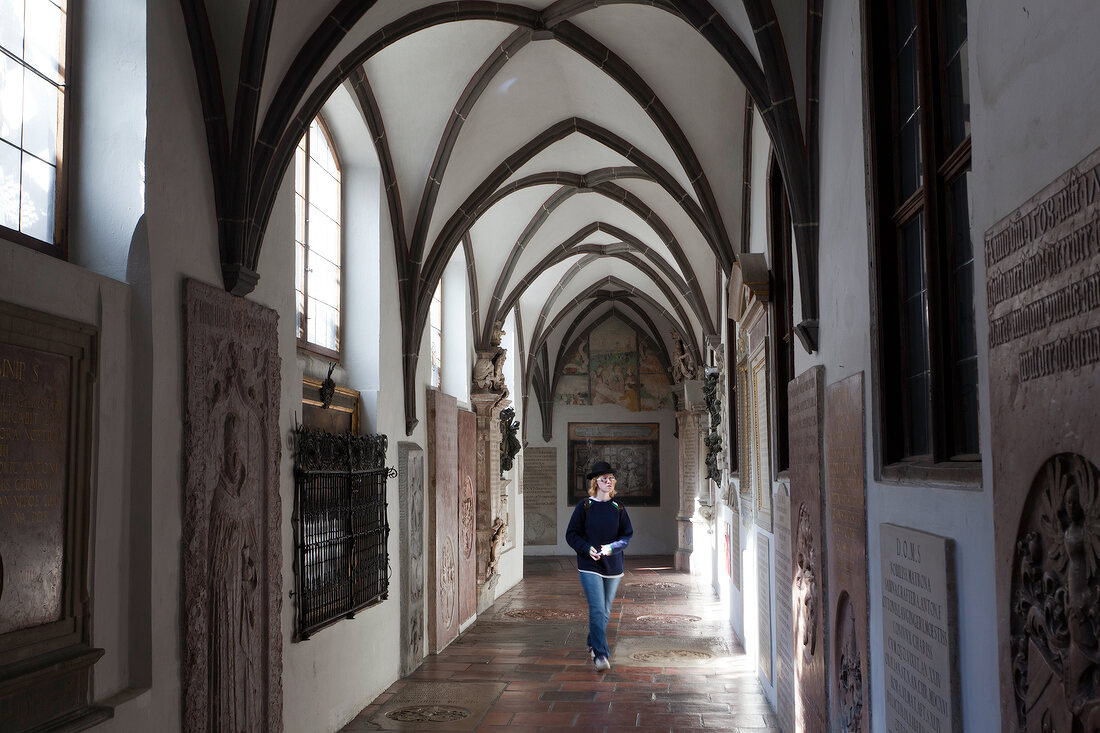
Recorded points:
(605, 477)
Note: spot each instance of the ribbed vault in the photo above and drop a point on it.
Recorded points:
(584, 155)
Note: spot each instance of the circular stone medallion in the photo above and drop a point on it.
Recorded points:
(429, 714)
(545, 614)
(671, 655)
(668, 618)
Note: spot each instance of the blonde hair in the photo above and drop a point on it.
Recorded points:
(593, 490)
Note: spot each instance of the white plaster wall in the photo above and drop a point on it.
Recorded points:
(654, 527)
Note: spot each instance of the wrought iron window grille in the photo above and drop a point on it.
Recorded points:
(341, 530)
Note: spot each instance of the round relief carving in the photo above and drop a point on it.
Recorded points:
(448, 582)
(429, 714)
(668, 618)
(1055, 596)
(671, 655)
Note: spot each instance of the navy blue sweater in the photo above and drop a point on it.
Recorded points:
(603, 523)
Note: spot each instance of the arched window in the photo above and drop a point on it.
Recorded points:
(435, 327)
(318, 247)
(32, 101)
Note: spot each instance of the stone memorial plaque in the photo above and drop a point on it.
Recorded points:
(47, 373)
(540, 496)
(805, 405)
(1043, 296)
(764, 602)
(919, 631)
(761, 455)
(467, 472)
(784, 618)
(410, 484)
(444, 543)
(734, 530)
(232, 527)
(846, 537)
(34, 463)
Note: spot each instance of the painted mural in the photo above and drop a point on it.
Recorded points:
(613, 364)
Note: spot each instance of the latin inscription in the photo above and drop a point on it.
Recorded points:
(764, 602)
(1043, 279)
(918, 629)
(540, 496)
(34, 422)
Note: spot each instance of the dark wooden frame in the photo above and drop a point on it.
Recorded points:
(51, 664)
(304, 343)
(60, 247)
(781, 334)
(578, 467)
(940, 169)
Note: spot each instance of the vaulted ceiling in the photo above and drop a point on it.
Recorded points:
(584, 155)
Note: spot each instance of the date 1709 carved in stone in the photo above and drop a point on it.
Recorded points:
(1056, 600)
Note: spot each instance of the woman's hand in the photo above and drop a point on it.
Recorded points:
(593, 553)
(605, 550)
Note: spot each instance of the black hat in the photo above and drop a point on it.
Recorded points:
(599, 468)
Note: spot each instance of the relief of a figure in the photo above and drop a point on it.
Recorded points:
(235, 646)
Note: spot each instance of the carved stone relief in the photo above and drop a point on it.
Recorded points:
(1055, 614)
(466, 518)
(443, 531)
(849, 665)
(232, 661)
(410, 460)
(807, 589)
(466, 539)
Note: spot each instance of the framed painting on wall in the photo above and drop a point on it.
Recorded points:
(632, 449)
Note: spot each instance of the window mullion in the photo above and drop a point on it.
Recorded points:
(936, 287)
(305, 242)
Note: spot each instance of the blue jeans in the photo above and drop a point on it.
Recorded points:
(600, 592)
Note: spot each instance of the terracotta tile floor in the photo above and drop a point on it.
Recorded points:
(524, 642)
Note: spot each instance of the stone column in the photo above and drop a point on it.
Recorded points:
(691, 419)
(487, 405)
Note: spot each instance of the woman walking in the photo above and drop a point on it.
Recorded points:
(599, 530)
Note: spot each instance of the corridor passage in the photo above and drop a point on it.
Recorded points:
(523, 666)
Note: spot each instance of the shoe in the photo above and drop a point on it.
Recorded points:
(602, 664)
(592, 654)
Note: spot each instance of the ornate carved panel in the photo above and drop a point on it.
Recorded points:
(1055, 613)
(444, 550)
(232, 572)
(410, 473)
(467, 515)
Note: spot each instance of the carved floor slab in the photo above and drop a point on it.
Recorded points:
(438, 706)
(543, 636)
(671, 651)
